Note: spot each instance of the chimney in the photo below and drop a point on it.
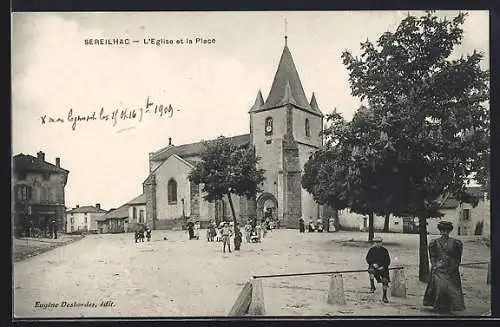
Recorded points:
(78, 206)
(40, 155)
(169, 141)
(98, 205)
(58, 162)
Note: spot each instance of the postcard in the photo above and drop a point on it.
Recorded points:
(260, 163)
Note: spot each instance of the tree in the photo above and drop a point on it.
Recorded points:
(325, 174)
(226, 169)
(370, 181)
(435, 112)
(349, 170)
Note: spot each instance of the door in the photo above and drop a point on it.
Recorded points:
(408, 225)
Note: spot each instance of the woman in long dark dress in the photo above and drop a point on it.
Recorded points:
(444, 291)
(302, 225)
(191, 230)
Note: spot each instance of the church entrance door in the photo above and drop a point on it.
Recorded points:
(267, 206)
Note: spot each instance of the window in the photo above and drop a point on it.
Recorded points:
(44, 193)
(85, 219)
(24, 193)
(466, 214)
(134, 213)
(269, 126)
(172, 191)
(46, 176)
(141, 216)
(308, 128)
(21, 176)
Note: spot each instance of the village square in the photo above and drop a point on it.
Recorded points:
(306, 213)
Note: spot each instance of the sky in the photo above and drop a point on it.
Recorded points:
(209, 86)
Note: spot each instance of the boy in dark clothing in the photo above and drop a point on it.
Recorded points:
(378, 260)
(54, 229)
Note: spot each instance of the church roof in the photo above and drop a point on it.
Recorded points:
(286, 87)
(194, 149)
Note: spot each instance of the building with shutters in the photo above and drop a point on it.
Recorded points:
(38, 195)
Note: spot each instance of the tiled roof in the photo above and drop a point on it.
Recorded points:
(86, 209)
(286, 87)
(141, 199)
(476, 191)
(26, 162)
(193, 149)
(451, 202)
(120, 213)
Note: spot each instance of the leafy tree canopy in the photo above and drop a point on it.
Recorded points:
(225, 168)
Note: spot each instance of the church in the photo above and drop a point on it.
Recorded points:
(284, 129)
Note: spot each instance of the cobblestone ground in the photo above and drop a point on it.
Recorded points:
(116, 277)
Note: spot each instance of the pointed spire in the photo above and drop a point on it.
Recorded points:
(286, 74)
(314, 103)
(259, 101)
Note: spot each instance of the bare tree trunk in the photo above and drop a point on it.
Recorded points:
(232, 210)
(423, 267)
(386, 223)
(237, 241)
(370, 227)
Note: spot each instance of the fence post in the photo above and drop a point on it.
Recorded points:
(257, 303)
(242, 303)
(336, 291)
(398, 283)
(488, 276)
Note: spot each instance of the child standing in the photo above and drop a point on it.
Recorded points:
(226, 237)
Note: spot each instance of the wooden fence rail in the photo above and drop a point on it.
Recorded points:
(318, 273)
(250, 301)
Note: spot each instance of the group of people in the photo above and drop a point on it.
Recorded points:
(48, 230)
(193, 230)
(141, 233)
(316, 227)
(444, 290)
(254, 232)
(223, 233)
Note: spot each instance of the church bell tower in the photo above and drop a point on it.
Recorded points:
(285, 129)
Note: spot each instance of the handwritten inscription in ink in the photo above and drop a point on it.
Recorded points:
(149, 109)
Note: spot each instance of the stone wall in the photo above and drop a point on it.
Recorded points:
(195, 200)
(149, 189)
(292, 172)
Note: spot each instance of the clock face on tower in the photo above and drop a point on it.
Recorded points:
(269, 126)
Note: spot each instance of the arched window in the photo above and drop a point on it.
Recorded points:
(269, 126)
(172, 191)
(308, 128)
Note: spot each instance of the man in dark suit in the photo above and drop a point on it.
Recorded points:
(378, 260)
